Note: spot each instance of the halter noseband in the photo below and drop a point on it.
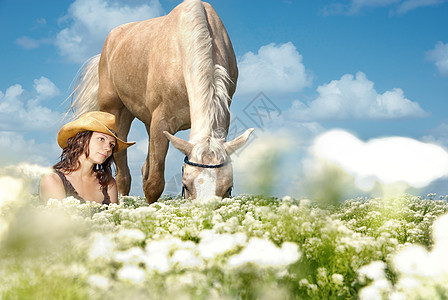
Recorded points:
(201, 166)
(204, 166)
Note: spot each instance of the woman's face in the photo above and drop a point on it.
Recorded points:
(101, 147)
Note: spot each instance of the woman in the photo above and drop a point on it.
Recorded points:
(84, 170)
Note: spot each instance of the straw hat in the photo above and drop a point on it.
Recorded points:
(97, 121)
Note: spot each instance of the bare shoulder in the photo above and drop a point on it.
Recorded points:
(51, 187)
(51, 178)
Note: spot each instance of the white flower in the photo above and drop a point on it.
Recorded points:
(338, 279)
(186, 258)
(100, 218)
(398, 296)
(440, 230)
(438, 255)
(217, 218)
(265, 253)
(306, 227)
(173, 228)
(374, 270)
(287, 199)
(133, 256)
(157, 253)
(233, 222)
(370, 293)
(102, 247)
(53, 203)
(130, 236)
(78, 269)
(71, 201)
(294, 209)
(304, 282)
(283, 208)
(305, 202)
(340, 249)
(99, 281)
(209, 201)
(248, 220)
(132, 273)
(415, 260)
(408, 283)
(213, 244)
(142, 212)
(157, 258)
(377, 290)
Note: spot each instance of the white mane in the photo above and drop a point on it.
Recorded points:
(211, 146)
(85, 93)
(210, 82)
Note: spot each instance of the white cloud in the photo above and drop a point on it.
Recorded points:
(274, 69)
(15, 148)
(409, 5)
(439, 55)
(355, 97)
(45, 88)
(27, 42)
(91, 20)
(438, 135)
(389, 160)
(397, 6)
(21, 111)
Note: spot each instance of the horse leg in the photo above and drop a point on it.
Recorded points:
(154, 168)
(124, 120)
(111, 103)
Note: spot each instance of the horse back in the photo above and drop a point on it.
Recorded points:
(142, 63)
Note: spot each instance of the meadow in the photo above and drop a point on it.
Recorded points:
(245, 247)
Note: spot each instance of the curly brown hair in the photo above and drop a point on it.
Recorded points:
(76, 146)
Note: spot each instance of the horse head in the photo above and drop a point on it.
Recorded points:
(207, 169)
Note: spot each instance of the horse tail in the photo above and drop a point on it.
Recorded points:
(208, 81)
(85, 92)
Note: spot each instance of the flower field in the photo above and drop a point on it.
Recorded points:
(245, 247)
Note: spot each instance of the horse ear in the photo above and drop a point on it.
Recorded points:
(179, 143)
(237, 143)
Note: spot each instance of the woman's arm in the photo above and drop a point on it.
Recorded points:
(51, 187)
(113, 191)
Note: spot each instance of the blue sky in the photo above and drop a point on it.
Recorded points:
(374, 68)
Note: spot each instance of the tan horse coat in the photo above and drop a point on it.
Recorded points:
(174, 72)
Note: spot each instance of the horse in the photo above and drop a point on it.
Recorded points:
(173, 73)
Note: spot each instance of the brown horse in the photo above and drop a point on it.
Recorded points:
(173, 73)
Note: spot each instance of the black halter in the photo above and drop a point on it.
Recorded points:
(204, 166)
(200, 166)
